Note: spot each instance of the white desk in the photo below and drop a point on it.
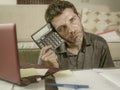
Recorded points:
(5, 85)
(34, 86)
(96, 79)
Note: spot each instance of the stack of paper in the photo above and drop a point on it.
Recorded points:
(32, 72)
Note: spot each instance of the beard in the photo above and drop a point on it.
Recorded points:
(78, 40)
(74, 42)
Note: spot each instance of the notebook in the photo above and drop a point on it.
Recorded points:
(9, 60)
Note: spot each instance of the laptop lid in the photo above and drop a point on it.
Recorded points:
(9, 63)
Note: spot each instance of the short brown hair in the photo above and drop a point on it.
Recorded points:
(57, 8)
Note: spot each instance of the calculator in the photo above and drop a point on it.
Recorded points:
(47, 36)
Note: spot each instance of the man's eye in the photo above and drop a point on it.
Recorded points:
(60, 29)
(72, 19)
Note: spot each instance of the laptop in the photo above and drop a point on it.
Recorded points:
(9, 62)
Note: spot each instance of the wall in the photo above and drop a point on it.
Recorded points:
(6, 2)
(28, 18)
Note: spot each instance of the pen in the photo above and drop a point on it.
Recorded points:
(75, 86)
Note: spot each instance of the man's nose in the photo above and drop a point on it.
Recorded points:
(70, 29)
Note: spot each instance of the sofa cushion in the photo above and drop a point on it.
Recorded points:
(99, 21)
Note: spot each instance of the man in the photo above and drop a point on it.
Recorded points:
(81, 50)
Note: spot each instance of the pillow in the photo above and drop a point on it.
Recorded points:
(98, 21)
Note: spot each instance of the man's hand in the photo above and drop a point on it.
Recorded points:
(49, 57)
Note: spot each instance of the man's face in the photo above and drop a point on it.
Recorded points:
(69, 26)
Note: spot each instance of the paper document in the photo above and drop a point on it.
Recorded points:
(86, 77)
(112, 75)
(63, 73)
(32, 72)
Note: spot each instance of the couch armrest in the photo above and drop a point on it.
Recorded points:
(28, 52)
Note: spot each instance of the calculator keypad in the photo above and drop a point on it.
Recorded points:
(51, 39)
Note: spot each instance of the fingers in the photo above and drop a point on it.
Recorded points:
(48, 55)
(45, 49)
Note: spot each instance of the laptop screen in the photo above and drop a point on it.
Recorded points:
(9, 64)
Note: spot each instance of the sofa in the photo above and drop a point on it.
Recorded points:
(29, 18)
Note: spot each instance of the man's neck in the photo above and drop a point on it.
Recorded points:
(74, 49)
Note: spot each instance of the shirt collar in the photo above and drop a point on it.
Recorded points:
(86, 39)
(86, 42)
